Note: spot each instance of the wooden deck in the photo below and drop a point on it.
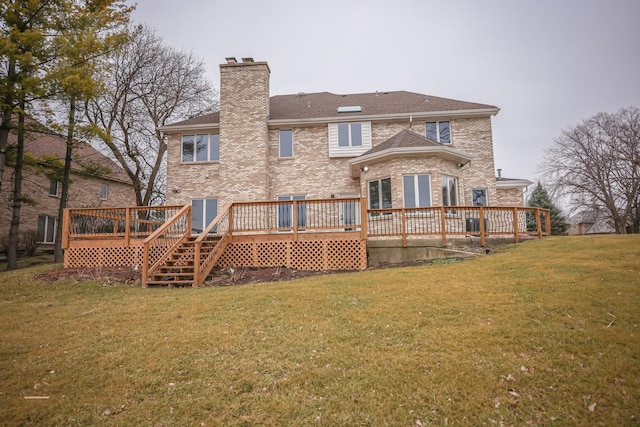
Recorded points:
(325, 234)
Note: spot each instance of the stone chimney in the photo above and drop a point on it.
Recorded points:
(244, 109)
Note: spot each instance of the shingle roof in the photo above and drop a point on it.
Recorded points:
(325, 105)
(205, 119)
(42, 144)
(404, 139)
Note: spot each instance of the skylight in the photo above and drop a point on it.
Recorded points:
(350, 109)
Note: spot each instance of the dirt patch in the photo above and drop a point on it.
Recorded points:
(112, 274)
(218, 276)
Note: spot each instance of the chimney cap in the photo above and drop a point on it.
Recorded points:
(247, 60)
(231, 60)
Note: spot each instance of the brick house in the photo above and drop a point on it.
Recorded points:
(43, 192)
(398, 149)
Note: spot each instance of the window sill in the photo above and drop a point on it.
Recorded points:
(208, 162)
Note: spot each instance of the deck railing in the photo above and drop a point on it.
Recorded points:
(446, 221)
(322, 215)
(114, 223)
(167, 237)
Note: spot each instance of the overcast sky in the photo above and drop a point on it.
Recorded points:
(546, 64)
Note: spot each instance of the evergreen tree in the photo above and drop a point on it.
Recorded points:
(540, 199)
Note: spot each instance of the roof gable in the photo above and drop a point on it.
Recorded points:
(404, 139)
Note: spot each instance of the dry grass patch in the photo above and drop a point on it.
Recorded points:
(543, 333)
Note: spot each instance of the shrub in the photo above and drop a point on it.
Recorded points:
(28, 242)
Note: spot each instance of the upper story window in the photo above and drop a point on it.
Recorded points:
(201, 148)
(350, 135)
(53, 187)
(416, 191)
(104, 191)
(286, 143)
(439, 131)
(349, 139)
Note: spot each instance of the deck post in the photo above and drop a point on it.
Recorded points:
(189, 225)
(516, 235)
(145, 264)
(443, 226)
(483, 231)
(196, 265)
(547, 218)
(404, 227)
(230, 226)
(66, 228)
(127, 227)
(364, 229)
(539, 223)
(295, 220)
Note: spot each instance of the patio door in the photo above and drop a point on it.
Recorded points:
(285, 213)
(349, 211)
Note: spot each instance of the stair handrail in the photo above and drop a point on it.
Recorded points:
(202, 268)
(155, 236)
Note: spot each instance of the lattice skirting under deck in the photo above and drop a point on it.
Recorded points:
(109, 256)
(338, 254)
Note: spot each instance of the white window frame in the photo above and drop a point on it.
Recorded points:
(104, 191)
(280, 142)
(207, 217)
(437, 123)
(418, 203)
(380, 195)
(213, 149)
(49, 226)
(349, 127)
(57, 183)
(446, 200)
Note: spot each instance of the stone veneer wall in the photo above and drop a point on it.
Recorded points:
(244, 108)
(510, 197)
(310, 172)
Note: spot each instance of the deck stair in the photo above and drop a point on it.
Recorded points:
(178, 268)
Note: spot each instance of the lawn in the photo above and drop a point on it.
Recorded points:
(546, 332)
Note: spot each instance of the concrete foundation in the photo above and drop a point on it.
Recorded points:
(391, 251)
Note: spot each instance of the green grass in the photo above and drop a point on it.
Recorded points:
(536, 334)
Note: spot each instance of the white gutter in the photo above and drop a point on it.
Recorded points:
(349, 118)
(382, 117)
(182, 128)
(513, 183)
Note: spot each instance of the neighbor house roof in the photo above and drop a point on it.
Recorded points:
(502, 182)
(41, 144)
(324, 106)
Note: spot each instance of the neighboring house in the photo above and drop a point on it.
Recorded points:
(589, 222)
(42, 194)
(397, 149)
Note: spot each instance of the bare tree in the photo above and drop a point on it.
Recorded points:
(596, 166)
(148, 85)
